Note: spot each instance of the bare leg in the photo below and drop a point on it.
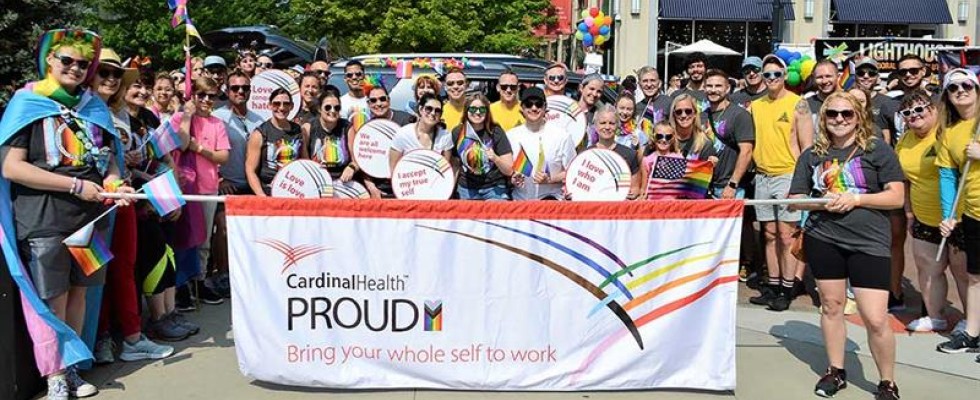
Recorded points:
(772, 256)
(973, 306)
(75, 308)
(932, 279)
(787, 263)
(899, 225)
(957, 268)
(833, 294)
(873, 306)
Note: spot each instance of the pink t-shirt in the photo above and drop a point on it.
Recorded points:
(211, 134)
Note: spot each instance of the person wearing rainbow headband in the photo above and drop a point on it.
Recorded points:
(59, 150)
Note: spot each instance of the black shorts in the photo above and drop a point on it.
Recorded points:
(932, 235)
(971, 236)
(829, 261)
(155, 267)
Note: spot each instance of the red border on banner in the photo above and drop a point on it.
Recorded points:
(461, 209)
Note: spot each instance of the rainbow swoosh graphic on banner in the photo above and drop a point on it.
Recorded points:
(433, 316)
(440, 165)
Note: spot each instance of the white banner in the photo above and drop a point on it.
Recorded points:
(485, 296)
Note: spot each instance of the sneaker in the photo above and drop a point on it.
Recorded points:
(103, 351)
(960, 342)
(184, 300)
(896, 304)
(144, 349)
(58, 388)
(207, 295)
(960, 326)
(221, 284)
(850, 307)
(766, 294)
(182, 322)
(781, 302)
(77, 386)
(887, 390)
(833, 381)
(926, 324)
(165, 329)
(799, 289)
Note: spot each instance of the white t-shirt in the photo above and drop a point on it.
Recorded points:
(405, 140)
(558, 154)
(348, 102)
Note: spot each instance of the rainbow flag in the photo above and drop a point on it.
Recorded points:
(403, 70)
(471, 151)
(522, 164)
(678, 178)
(359, 117)
(89, 249)
(180, 12)
(165, 139)
(164, 194)
(848, 76)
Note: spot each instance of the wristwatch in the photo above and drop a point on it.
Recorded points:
(733, 185)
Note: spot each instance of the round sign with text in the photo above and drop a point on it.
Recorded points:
(423, 175)
(598, 175)
(565, 114)
(350, 190)
(371, 145)
(262, 87)
(302, 179)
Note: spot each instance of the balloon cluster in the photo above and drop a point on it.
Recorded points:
(798, 66)
(595, 28)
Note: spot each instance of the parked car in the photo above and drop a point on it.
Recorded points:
(284, 51)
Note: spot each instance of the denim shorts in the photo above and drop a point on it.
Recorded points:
(497, 192)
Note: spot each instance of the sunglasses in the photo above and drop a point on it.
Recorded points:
(833, 114)
(750, 70)
(908, 71)
(681, 112)
(533, 104)
(771, 75)
(508, 88)
(322, 72)
(382, 99)
(478, 110)
(867, 72)
(354, 75)
(661, 137)
(263, 65)
(556, 78)
(917, 110)
(455, 83)
(432, 110)
(68, 61)
(329, 108)
(206, 96)
(956, 87)
(105, 73)
(240, 88)
(281, 104)
(215, 71)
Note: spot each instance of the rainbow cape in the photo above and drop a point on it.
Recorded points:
(56, 345)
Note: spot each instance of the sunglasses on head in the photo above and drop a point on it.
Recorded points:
(68, 61)
(477, 110)
(908, 71)
(504, 87)
(533, 104)
(105, 73)
(335, 108)
(663, 137)
(956, 87)
(556, 78)
(352, 75)
(772, 75)
(264, 65)
(281, 104)
(867, 72)
(206, 96)
(455, 83)
(917, 110)
(432, 110)
(382, 99)
(833, 114)
(680, 112)
(239, 88)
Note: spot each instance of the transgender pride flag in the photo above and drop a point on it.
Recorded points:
(164, 194)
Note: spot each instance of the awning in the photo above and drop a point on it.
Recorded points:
(706, 47)
(722, 10)
(898, 12)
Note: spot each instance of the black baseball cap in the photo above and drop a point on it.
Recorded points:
(532, 92)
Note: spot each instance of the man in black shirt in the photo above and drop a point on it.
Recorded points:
(655, 105)
(755, 88)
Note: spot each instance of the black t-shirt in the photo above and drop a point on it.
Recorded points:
(329, 148)
(862, 230)
(491, 176)
(629, 155)
(732, 126)
(141, 126)
(687, 146)
(744, 98)
(305, 116)
(654, 110)
(402, 118)
(883, 109)
(278, 149)
(41, 213)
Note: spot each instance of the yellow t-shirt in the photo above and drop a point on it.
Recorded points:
(918, 159)
(451, 115)
(506, 118)
(773, 127)
(951, 153)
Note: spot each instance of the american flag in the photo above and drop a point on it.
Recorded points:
(677, 178)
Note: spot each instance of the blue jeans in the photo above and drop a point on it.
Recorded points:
(498, 192)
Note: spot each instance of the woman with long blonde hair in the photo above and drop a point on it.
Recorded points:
(685, 118)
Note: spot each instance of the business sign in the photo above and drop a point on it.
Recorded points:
(887, 51)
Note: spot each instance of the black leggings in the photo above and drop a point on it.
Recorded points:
(971, 236)
(829, 261)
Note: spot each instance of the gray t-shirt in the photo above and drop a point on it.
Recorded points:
(654, 110)
(884, 109)
(732, 126)
(238, 129)
(861, 230)
(744, 98)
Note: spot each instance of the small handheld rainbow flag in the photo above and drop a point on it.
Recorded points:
(847, 77)
(164, 194)
(89, 249)
(679, 178)
(522, 164)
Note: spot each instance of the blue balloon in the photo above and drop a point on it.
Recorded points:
(587, 39)
(604, 30)
(583, 27)
(783, 53)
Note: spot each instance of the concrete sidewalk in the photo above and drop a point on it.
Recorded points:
(779, 357)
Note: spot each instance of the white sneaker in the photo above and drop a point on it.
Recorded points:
(960, 326)
(57, 388)
(77, 386)
(926, 324)
(103, 351)
(144, 349)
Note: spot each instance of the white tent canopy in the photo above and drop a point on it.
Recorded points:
(707, 47)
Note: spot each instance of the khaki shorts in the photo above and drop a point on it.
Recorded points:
(774, 187)
(53, 270)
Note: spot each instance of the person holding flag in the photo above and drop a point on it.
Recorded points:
(481, 148)
(52, 188)
(543, 152)
(427, 133)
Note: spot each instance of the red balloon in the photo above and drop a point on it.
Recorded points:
(594, 11)
(594, 30)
